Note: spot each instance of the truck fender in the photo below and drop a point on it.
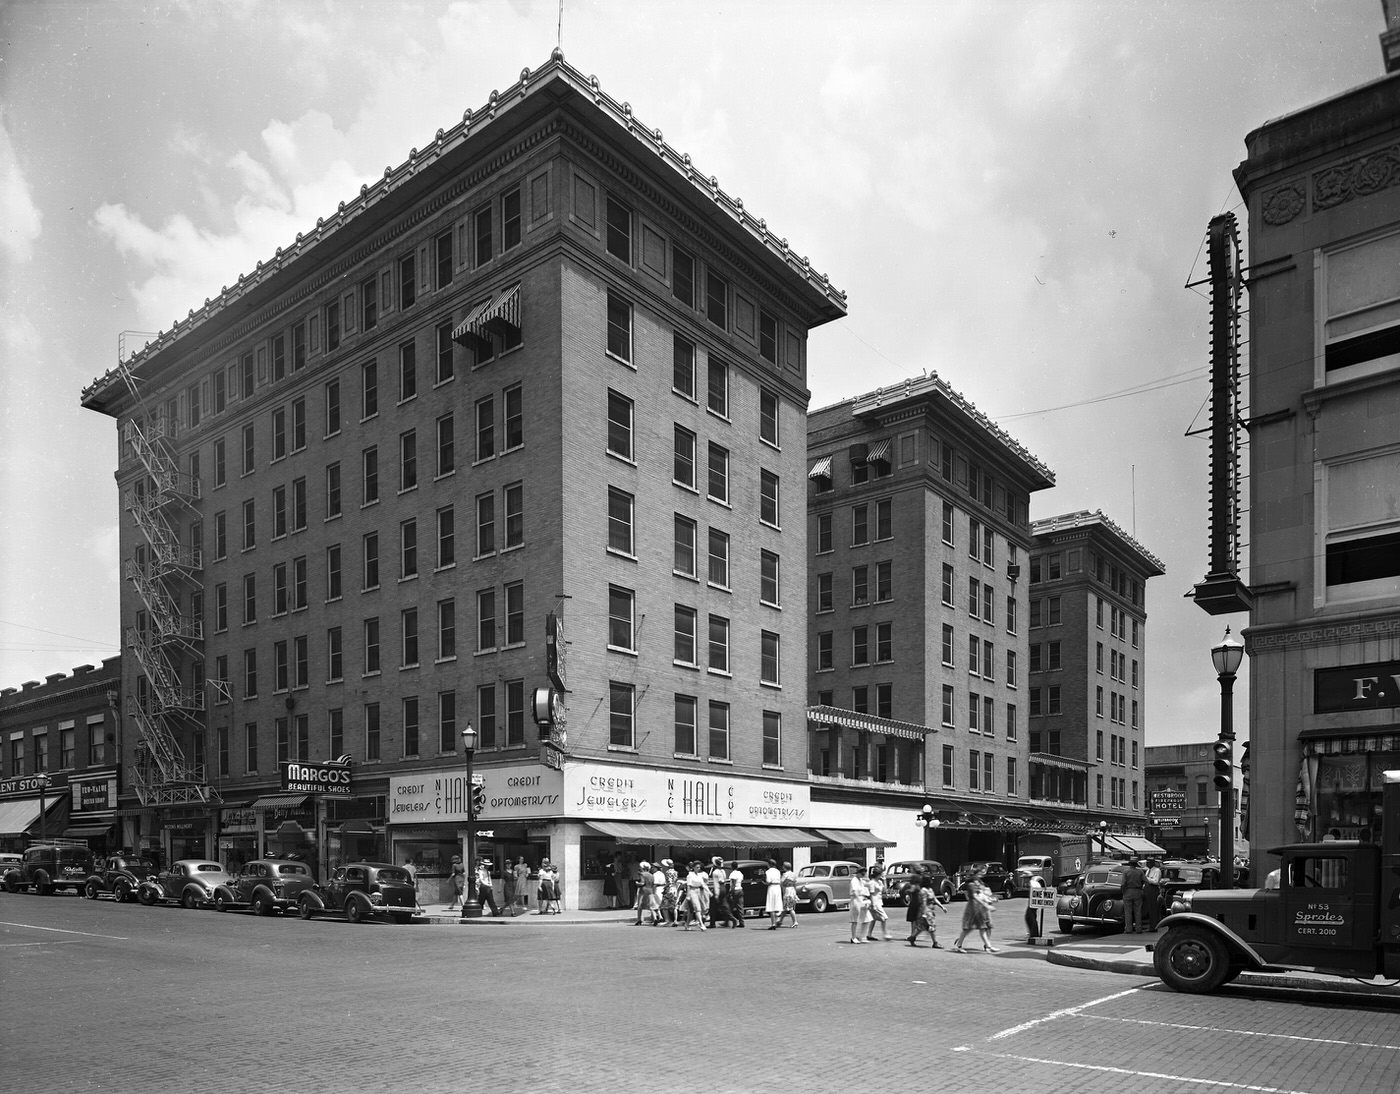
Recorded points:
(1237, 946)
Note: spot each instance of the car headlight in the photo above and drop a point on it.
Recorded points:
(1182, 902)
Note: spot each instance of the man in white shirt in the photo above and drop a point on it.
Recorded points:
(1152, 894)
(734, 898)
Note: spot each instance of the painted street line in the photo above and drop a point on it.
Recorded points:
(60, 930)
(1244, 1032)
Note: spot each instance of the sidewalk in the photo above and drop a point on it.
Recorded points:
(442, 913)
(1131, 954)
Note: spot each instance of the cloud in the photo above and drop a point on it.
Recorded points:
(20, 216)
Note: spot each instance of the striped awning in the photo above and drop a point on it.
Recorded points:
(500, 314)
(821, 469)
(868, 723)
(1349, 743)
(279, 801)
(879, 451)
(855, 837)
(667, 834)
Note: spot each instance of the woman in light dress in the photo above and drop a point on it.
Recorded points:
(860, 906)
(789, 890)
(773, 902)
(876, 884)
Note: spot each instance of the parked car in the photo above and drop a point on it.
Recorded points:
(190, 883)
(1184, 877)
(898, 876)
(824, 885)
(118, 876)
(363, 890)
(51, 867)
(755, 883)
(994, 875)
(1093, 899)
(265, 885)
(9, 860)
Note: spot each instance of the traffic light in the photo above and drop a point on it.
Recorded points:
(1224, 765)
(478, 798)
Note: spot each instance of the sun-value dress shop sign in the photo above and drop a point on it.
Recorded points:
(524, 791)
(603, 792)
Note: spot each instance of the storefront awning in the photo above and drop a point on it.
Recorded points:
(662, 833)
(84, 831)
(280, 801)
(17, 816)
(855, 837)
(1314, 744)
(1134, 845)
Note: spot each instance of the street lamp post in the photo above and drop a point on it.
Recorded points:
(43, 806)
(1226, 658)
(1103, 838)
(471, 902)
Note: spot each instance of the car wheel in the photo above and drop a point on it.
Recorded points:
(820, 903)
(1066, 926)
(146, 896)
(11, 883)
(190, 900)
(90, 890)
(220, 902)
(42, 885)
(354, 911)
(947, 891)
(261, 905)
(304, 909)
(1191, 959)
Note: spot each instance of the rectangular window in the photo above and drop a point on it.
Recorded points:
(717, 480)
(332, 391)
(249, 452)
(445, 367)
(769, 589)
(408, 371)
(717, 388)
(513, 499)
(685, 546)
(772, 738)
(485, 428)
(718, 574)
(408, 281)
(408, 548)
(250, 528)
(621, 603)
(279, 512)
(281, 668)
(410, 725)
(446, 537)
(371, 646)
(719, 731)
(619, 425)
(684, 720)
(514, 415)
(683, 466)
(1011, 728)
(825, 660)
(510, 219)
(372, 731)
(447, 721)
(974, 769)
(988, 778)
(446, 629)
(486, 716)
(442, 245)
(250, 598)
(332, 490)
(619, 327)
(369, 305)
(717, 300)
(485, 525)
(621, 715)
(619, 230)
(369, 390)
(446, 446)
(250, 674)
(947, 585)
(860, 645)
(948, 766)
(298, 505)
(683, 367)
(299, 583)
(220, 536)
(884, 522)
(719, 644)
(408, 460)
(770, 659)
(335, 655)
(620, 509)
(408, 629)
(333, 325)
(369, 476)
(685, 635)
(768, 506)
(370, 557)
(220, 463)
(250, 747)
(683, 276)
(768, 416)
(301, 669)
(860, 525)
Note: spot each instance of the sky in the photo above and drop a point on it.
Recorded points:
(1012, 194)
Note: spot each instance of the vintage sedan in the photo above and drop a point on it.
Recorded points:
(265, 885)
(824, 885)
(754, 885)
(899, 875)
(190, 883)
(118, 876)
(363, 890)
(1091, 899)
(994, 875)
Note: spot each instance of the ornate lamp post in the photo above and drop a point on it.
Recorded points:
(1103, 838)
(43, 805)
(471, 903)
(1226, 658)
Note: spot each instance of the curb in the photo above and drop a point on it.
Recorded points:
(1133, 967)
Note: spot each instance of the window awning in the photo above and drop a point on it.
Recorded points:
(1351, 743)
(855, 837)
(666, 834)
(1134, 845)
(17, 816)
(821, 469)
(879, 451)
(357, 828)
(279, 801)
(500, 314)
(850, 719)
(83, 831)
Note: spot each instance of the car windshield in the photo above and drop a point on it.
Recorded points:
(394, 876)
(1032, 863)
(814, 871)
(292, 868)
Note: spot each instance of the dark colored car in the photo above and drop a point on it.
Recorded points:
(190, 883)
(118, 876)
(898, 876)
(363, 890)
(1093, 899)
(994, 875)
(265, 885)
(755, 884)
(50, 867)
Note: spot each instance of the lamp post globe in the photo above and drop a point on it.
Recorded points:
(471, 901)
(1226, 658)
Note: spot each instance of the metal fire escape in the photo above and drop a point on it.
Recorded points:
(163, 703)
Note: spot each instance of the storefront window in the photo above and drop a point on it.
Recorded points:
(1349, 794)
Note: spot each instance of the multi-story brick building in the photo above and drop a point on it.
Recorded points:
(58, 758)
(515, 437)
(1323, 195)
(1182, 802)
(1087, 670)
(918, 529)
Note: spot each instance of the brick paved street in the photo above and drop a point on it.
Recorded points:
(119, 997)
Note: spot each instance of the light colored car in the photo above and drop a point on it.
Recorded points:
(190, 883)
(824, 885)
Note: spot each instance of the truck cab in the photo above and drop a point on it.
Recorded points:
(1336, 910)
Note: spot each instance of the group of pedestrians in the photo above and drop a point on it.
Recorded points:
(702, 897)
(1142, 896)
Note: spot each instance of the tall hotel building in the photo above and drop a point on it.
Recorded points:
(515, 438)
(1087, 672)
(918, 537)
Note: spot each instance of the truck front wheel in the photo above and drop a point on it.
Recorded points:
(1192, 959)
